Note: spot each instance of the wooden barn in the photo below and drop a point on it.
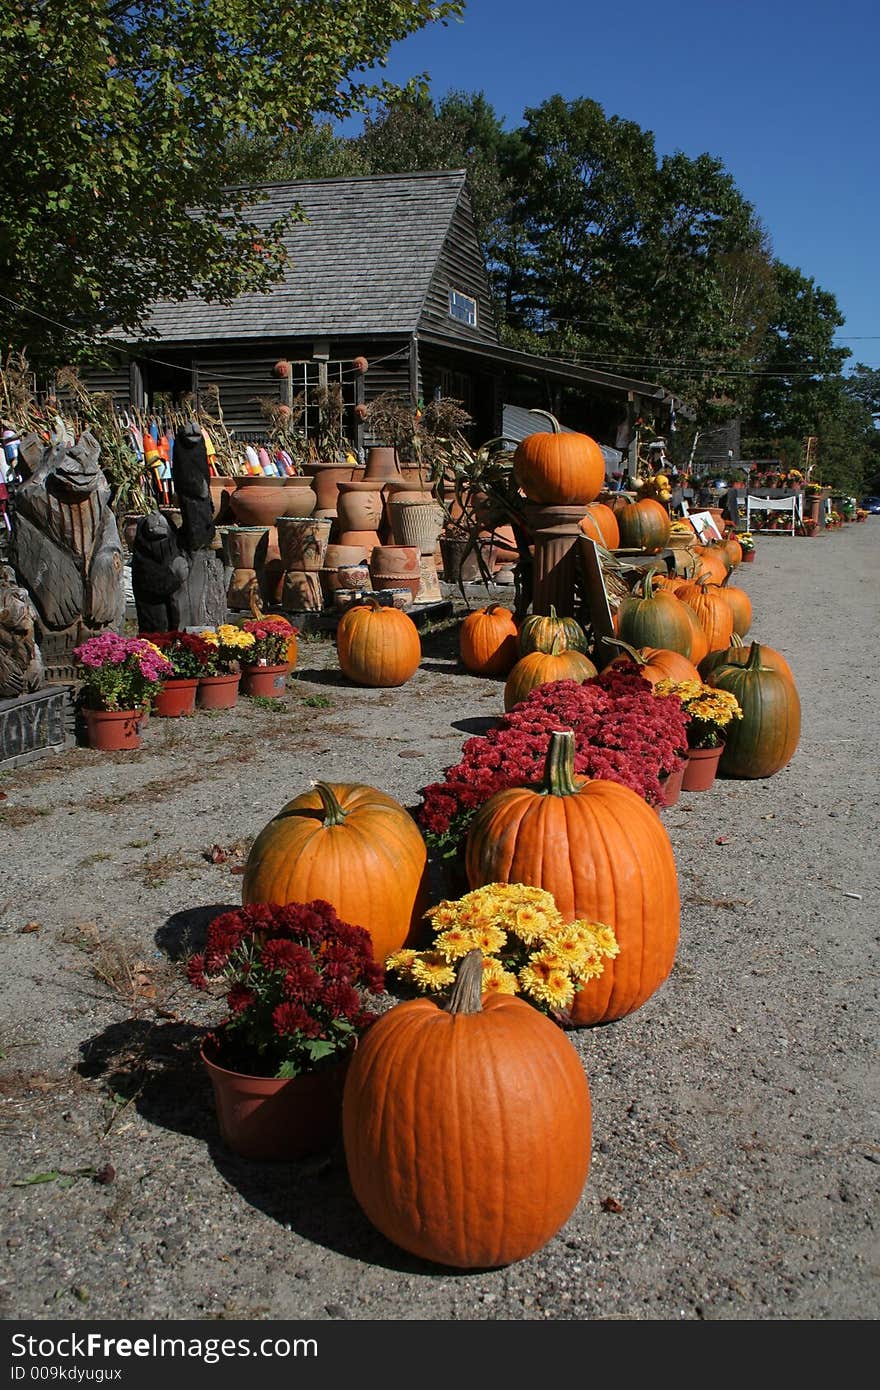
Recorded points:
(388, 268)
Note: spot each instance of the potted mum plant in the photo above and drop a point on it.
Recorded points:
(747, 542)
(267, 664)
(527, 947)
(120, 678)
(295, 980)
(190, 657)
(709, 713)
(218, 686)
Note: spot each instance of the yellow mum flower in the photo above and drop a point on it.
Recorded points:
(489, 939)
(606, 942)
(547, 980)
(454, 943)
(444, 915)
(430, 971)
(401, 962)
(497, 980)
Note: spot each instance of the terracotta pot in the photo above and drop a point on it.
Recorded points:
(417, 524)
(257, 501)
(336, 555)
(672, 786)
(381, 463)
(407, 492)
(324, 478)
(748, 556)
(302, 541)
(301, 591)
(264, 680)
(365, 540)
(240, 545)
(176, 697)
(277, 1120)
(700, 768)
(221, 491)
(359, 505)
(218, 692)
(397, 581)
(460, 570)
(114, 730)
(395, 560)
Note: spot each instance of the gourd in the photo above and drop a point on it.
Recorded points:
(467, 1129)
(377, 646)
(538, 630)
(654, 619)
(539, 668)
(655, 663)
(600, 524)
(488, 641)
(561, 467)
(355, 847)
(765, 739)
(714, 613)
(644, 525)
(604, 854)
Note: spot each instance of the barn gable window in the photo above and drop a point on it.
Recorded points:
(463, 308)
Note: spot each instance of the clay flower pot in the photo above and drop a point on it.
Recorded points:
(264, 680)
(218, 692)
(176, 698)
(324, 478)
(302, 541)
(701, 768)
(258, 500)
(381, 463)
(359, 505)
(416, 524)
(395, 560)
(114, 730)
(277, 1119)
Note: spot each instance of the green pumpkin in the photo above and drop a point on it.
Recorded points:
(764, 740)
(539, 630)
(656, 619)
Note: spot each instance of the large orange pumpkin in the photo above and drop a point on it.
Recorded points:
(655, 663)
(355, 847)
(604, 854)
(539, 668)
(713, 564)
(488, 641)
(714, 613)
(699, 640)
(561, 467)
(600, 524)
(654, 618)
(441, 1103)
(734, 550)
(377, 646)
(740, 606)
(644, 525)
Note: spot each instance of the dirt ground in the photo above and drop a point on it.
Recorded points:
(736, 1153)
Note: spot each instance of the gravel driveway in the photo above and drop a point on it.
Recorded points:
(736, 1153)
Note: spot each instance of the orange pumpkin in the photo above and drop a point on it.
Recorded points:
(488, 641)
(734, 550)
(438, 1101)
(539, 668)
(600, 524)
(560, 467)
(654, 619)
(644, 525)
(740, 606)
(377, 646)
(714, 613)
(355, 847)
(713, 565)
(604, 854)
(699, 640)
(655, 663)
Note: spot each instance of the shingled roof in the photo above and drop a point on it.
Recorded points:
(361, 264)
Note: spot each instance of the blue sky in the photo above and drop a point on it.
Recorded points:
(785, 94)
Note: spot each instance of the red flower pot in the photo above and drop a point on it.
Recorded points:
(217, 692)
(113, 730)
(277, 1120)
(673, 784)
(176, 697)
(700, 768)
(264, 680)
(748, 557)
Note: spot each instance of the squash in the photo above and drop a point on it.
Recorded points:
(655, 663)
(765, 739)
(562, 467)
(600, 524)
(644, 525)
(441, 1103)
(355, 847)
(714, 613)
(488, 641)
(604, 854)
(539, 668)
(654, 620)
(537, 632)
(737, 654)
(377, 646)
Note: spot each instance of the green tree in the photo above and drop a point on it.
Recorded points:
(115, 124)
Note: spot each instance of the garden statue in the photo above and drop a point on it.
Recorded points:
(65, 546)
(202, 598)
(158, 572)
(21, 666)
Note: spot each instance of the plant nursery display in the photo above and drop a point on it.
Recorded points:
(467, 1127)
(121, 677)
(295, 980)
(527, 947)
(190, 656)
(352, 845)
(265, 665)
(605, 856)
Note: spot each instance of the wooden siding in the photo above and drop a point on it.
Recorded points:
(113, 380)
(460, 267)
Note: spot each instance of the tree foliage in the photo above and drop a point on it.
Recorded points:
(117, 121)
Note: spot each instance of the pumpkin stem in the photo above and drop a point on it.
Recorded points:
(559, 779)
(467, 992)
(333, 812)
(754, 661)
(736, 640)
(631, 652)
(557, 428)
